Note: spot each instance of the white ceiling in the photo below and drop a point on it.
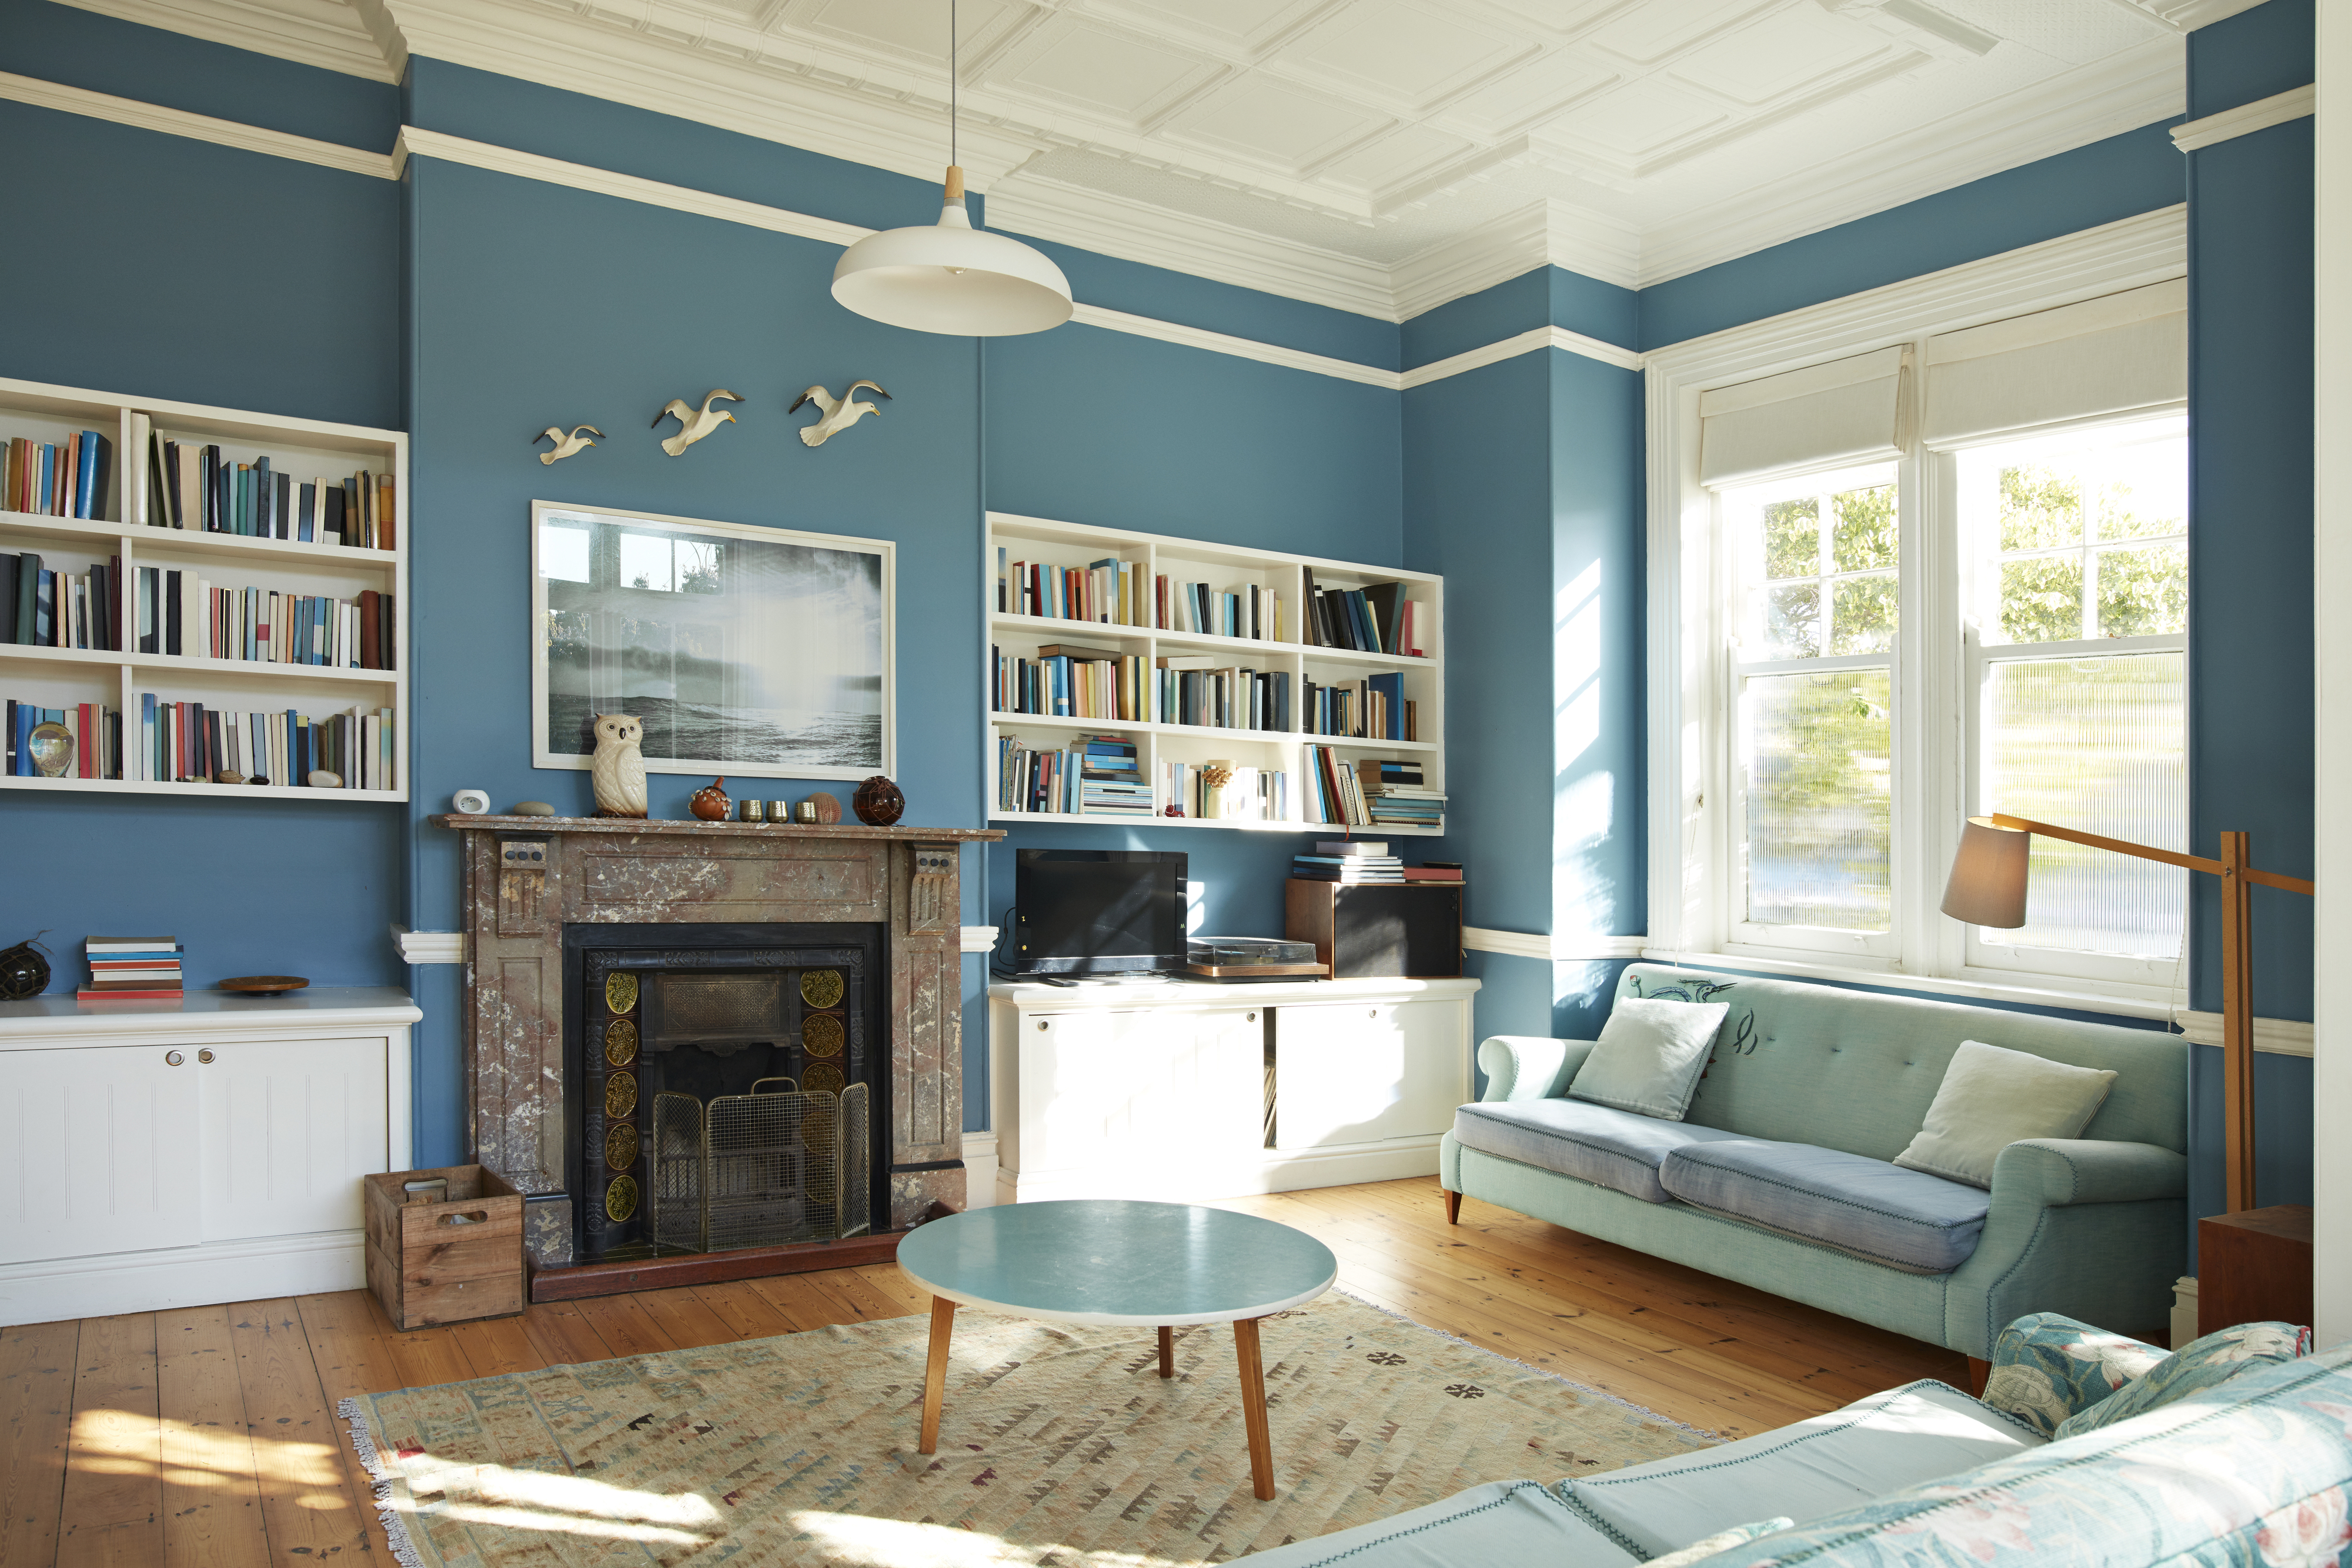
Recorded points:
(1377, 156)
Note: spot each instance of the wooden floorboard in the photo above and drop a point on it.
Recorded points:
(208, 1435)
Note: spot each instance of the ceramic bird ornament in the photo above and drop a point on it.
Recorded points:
(565, 445)
(838, 417)
(618, 771)
(694, 426)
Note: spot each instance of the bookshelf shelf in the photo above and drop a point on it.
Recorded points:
(129, 553)
(1227, 568)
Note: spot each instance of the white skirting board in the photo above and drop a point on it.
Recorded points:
(1279, 1170)
(2184, 1310)
(980, 1170)
(213, 1271)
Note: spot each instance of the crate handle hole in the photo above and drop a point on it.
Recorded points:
(476, 1218)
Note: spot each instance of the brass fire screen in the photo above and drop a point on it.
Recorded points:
(762, 1169)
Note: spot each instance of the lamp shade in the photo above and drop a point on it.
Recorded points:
(1988, 881)
(952, 278)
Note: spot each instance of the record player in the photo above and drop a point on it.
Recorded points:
(1252, 958)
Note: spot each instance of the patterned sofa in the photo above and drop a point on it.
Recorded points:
(2091, 1227)
(2252, 1471)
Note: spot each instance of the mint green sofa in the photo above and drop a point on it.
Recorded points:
(2091, 1227)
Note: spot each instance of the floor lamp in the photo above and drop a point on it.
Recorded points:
(1988, 888)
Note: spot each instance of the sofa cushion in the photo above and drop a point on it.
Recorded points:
(2047, 1366)
(1813, 1469)
(1500, 1523)
(1870, 1208)
(1992, 1098)
(1592, 1142)
(1650, 1055)
(2200, 1365)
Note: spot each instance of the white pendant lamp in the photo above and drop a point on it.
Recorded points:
(949, 277)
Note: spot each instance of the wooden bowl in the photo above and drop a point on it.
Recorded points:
(265, 985)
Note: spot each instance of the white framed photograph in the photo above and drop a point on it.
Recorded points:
(761, 653)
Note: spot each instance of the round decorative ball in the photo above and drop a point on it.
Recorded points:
(878, 802)
(828, 809)
(24, 973)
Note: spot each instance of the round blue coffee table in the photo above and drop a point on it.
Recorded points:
(1118, 1262)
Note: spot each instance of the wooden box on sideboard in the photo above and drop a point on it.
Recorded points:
(1411, 929)
(448, 1258)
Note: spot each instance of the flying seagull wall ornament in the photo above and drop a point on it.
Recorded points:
(693, 427)
(838, 417)
(565, 445)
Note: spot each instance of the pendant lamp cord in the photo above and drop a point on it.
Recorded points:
(951, 81)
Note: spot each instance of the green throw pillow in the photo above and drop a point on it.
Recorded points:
(2191, 1369)
(1650, 1056)
(1721, 1541)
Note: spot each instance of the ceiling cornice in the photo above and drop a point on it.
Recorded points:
(308, 32)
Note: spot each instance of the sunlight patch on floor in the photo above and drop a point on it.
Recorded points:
(854, 1541)
(562, 1505)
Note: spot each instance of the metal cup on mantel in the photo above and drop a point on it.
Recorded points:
(780, 811)
(751, 811)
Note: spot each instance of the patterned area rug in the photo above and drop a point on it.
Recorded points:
(1060, 1447)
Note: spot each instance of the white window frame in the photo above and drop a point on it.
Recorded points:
(1694, 885)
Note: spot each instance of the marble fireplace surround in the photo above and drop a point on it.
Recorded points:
(526, 878)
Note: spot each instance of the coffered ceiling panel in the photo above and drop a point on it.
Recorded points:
(1377, 156)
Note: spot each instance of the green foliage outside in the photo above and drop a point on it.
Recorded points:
(2143, 591)
(1865, 621)
(2140, 592)
(1863, 537)
(1792, 538)
(1818, 798)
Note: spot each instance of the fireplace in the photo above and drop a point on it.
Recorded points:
(720, 1084)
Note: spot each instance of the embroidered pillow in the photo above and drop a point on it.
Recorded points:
(2046, 1367)
(2191, 1369)
(1992, 1098)
(1721, 1541)
(1649, 1055)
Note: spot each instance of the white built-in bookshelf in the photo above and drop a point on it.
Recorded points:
(128, 537)
(1159, 741)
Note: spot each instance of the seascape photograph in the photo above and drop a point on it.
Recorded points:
(758, 651)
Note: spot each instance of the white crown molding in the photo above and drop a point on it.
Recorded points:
(308, 32)
(2295, 103)
(2123, 92)
(978, 938)
(429, 946)
(201, 126)
(1545, 233)
(2279, 1037)
(2190, 15)
(1570, 948)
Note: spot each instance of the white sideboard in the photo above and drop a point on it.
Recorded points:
(175, 1154)
(1181, 1092)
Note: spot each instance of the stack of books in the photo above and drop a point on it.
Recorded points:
(1348, 860)
(132, 968)
(65, 479)
(1395, 794)
(1112, 784)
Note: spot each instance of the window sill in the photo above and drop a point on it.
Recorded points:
(2043, 996)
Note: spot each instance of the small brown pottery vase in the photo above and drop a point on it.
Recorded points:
(878, 802)
(709, 802)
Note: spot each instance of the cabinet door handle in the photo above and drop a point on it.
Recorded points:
(204, 1056)
(172, 1058)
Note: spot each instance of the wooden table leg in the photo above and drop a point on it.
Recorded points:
(1167, 1351)
(1261, 1438)
(935, 1374)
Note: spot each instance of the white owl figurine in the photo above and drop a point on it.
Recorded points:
(620, 768)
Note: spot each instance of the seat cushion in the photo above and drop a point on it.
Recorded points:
(1870, 1208)
(1592, 1142)
(1500, 1523)
(1806, 1472)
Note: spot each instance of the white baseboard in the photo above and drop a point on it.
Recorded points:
(200, 1276)
(1279, 1170)
(2184, 1310)
(980, 1170)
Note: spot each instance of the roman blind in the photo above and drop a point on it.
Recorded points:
(2117, 354)
(1824, 416)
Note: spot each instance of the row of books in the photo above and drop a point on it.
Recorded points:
(132, 968)
(67, 478)
(1377, 618)
(42, 608)
(1192, 691)
(194, 743)
(1040, 781)
(1374, 708)
(181, 613)
(1121, 594)
(1069, 681)
(94, 737)
(201, 488)
(1247, 795)
(1246, 612)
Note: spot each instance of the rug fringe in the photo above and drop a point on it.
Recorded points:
(1711, 1437)
(396, 1527)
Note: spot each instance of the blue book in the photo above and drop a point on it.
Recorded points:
(305, 512)
(1392, 686)
(22, 746)
(147, 732)
(320, 644)
(48, 493)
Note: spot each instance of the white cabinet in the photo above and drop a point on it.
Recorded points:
(171, 1155)
(1163, 1091)
(104, 1142)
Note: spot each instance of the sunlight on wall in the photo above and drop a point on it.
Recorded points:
(1583, 897)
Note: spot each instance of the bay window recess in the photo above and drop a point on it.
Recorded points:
(1945, 575)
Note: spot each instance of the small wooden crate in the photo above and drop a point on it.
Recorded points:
(449, 1261)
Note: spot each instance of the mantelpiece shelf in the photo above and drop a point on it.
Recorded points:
(1226, 568)
(118, 678)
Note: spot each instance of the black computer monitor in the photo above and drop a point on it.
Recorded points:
(1098, 911)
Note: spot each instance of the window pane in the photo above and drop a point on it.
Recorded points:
(1864, 532)
(2042, 599)
(1818, 754)
(2145, 591)
(2146, 495)
(1866, 615)
(2094, 744)
(1792, 538)
(2041, 508)
(1792, 620)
